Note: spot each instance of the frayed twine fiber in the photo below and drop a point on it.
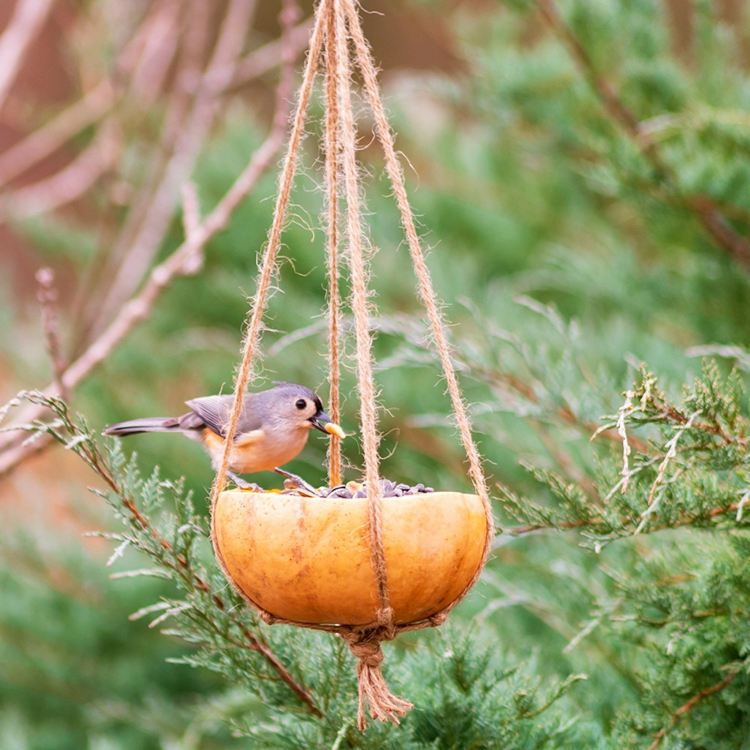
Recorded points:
(373, 690)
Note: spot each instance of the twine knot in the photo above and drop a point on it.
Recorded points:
(386, 620)
(373, 690)
(368, 652)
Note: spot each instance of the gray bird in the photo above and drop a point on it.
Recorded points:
(272, 430)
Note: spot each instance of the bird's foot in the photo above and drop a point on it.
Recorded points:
(244, 484)
(293, 482)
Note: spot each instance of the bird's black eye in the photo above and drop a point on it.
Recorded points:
(301, 403)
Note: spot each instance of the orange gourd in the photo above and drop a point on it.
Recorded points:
(307, 559)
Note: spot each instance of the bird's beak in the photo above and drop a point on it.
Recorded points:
(321, 421)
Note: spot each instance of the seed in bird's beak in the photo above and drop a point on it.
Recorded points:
(322, 422)
(333, 429)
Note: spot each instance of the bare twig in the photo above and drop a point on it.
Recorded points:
(190, 137)
(70, 183)
(653, 498)
(191, 210)
(178, 264)
(687, 707)
(145, 51)
(703, 208)
(530, 528)
(48, 301)
(45, 141)
(160, 44)
(28, 17)
(191, 222)
(265, 58)
(622, 414)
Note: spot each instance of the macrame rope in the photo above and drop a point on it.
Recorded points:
(331, 164)
(366, 381)
(268, 264)
(426, 290)
(365, 643)
(336, 23)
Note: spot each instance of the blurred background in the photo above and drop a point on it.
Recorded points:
(581, 179)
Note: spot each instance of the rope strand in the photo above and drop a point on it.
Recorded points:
(268, 265)
(364, 643)
(365, 378)
(331, 163)
(426, 290)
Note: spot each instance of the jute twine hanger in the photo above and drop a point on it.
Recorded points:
(337, 31)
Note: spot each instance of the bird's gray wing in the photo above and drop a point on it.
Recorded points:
(214, 412)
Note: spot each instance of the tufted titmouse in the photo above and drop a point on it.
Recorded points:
(272, 430)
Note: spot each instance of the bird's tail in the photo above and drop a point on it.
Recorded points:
(147, 424)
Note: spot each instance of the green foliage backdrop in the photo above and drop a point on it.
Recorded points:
(587, 280)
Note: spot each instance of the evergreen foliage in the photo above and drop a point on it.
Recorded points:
(302, 683)
(576, 247)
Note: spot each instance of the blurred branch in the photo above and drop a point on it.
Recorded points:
(565, 461)
(159, 47)
(191, 211)
(191, 135)
(48, 300)
(564, 413)
(144, 223)
(181, 262)
(70, 183)
(28, 17)
(267, 57)
(690, 705)
(151, 40)
(702, 207)
(47, 139)
(594, 523)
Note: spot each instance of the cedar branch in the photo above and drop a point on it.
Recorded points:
(182, 568)
(687, 707)
(703, 208)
